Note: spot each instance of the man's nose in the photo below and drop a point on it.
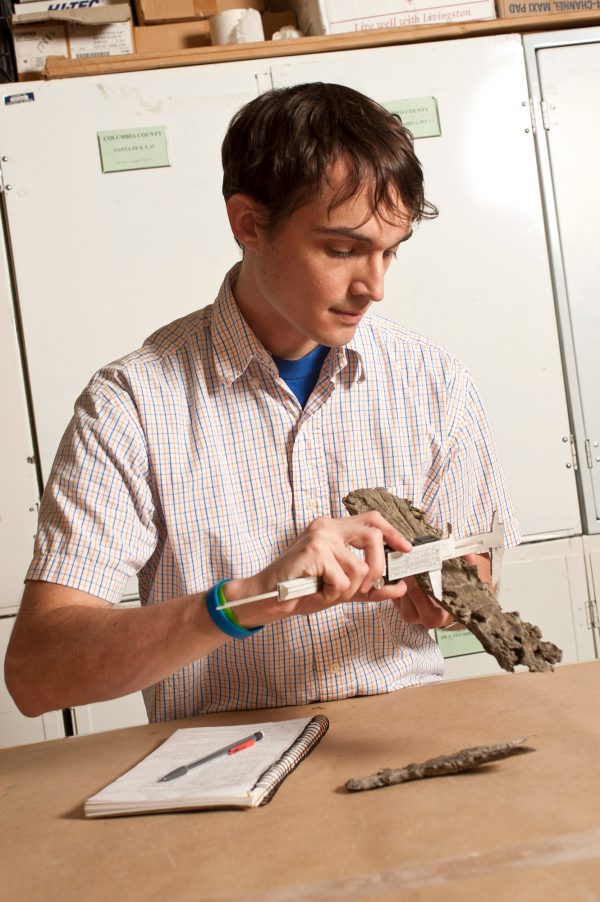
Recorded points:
(368, 280)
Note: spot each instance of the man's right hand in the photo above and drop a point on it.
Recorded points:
(324, 551)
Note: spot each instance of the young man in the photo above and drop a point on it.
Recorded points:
(223, 448)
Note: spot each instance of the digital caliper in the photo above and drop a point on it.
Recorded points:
(426, 556)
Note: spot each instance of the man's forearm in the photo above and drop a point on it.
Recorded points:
(75, 649)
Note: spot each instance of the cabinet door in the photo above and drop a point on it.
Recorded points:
(103, 259)
(591, 545)
(18, 484)
(568, 86)
(127, 711)
(546, 583)
(478, 278)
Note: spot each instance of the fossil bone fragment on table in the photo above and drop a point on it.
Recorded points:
(466, 759)
(470, 601)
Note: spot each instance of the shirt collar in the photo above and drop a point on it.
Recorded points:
(235, 344)
(354, 354)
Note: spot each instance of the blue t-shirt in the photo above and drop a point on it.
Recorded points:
(301, 375)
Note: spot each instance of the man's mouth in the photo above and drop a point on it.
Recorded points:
(352, 317)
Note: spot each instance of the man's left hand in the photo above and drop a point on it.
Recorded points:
(416, 606)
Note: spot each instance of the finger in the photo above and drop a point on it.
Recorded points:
(429, 613)
(389, 592)
(356, 571)
(374, 520)
(335, 582)
(444, 619)
(483, 565)
(342, 574)
(408, 611)
(374, 560)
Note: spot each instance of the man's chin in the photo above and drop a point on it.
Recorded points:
(339, 336)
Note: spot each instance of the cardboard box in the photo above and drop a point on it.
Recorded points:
(36, 6)
(173, 36)
(339, 16)
(104, 29)
(183, 35)
(158, 12)
(508, 9)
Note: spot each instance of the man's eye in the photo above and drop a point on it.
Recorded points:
(391, 255)
(335, 253)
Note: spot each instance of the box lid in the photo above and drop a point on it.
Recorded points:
(98, 15)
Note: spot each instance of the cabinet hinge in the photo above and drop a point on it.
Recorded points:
(573, 452)
(264, 81)
(588, 454)
(545, 116)
(591, 614)
(532, 115)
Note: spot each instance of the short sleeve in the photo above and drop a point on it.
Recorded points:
(98, 523)
(471, 485)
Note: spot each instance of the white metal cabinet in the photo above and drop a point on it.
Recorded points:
(564, 71)
(546, 583)
(129, 251)
(478, 278)
(102, 260)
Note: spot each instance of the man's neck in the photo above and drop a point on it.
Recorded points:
(273, 332)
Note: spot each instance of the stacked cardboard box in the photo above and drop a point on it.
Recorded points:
(339, 16)
(165, 25)
(94, 28)
(158, 12)
(196, 33)
(172, 36)
(83, 28)
(508, 9)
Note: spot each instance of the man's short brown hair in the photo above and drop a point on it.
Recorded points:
(280, 147)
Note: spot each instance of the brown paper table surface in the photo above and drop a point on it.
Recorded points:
(526, 828)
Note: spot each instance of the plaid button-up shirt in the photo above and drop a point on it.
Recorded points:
(190, 460)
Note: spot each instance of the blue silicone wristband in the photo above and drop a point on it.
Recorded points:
(220, 619)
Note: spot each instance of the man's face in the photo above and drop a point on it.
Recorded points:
(314, 278)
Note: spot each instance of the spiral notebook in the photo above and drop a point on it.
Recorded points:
(247, 779)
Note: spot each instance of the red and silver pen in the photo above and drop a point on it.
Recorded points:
(245, 743)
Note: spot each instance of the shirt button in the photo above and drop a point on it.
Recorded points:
(312, 504)
(335, 668)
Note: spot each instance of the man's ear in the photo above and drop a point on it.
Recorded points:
(245, 217)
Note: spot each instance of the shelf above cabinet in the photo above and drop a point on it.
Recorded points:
(59, 67)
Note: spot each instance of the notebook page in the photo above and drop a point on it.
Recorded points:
(231, 776)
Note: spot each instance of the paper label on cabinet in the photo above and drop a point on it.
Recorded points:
(419, 115)
(453, 643)
(134, 148)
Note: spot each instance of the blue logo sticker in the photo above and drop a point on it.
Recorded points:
(10, 99)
